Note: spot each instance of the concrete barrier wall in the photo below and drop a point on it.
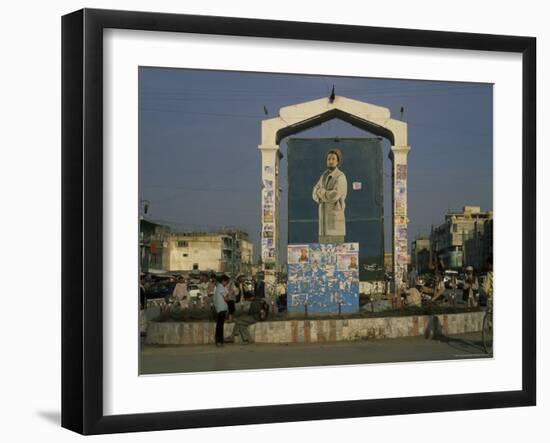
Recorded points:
(316, 331)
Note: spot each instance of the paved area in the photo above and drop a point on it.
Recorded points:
(171, 359)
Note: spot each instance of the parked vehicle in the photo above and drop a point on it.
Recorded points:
(160, 289)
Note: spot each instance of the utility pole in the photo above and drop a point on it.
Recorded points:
(233, 252)
(146, 204)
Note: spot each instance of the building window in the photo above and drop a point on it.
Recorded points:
(195, 266)
(184, 255)
(182, 244)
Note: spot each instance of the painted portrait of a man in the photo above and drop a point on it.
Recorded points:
(330, 193)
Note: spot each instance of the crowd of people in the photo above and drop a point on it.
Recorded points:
(219, 295)
(472, 289)
(227, 294)
(243, 304)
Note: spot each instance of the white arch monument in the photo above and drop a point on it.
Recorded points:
(295, 118)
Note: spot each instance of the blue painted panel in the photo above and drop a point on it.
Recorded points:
(323, 276)
(364, 213)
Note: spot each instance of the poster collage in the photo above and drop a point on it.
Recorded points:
(401, 214)
(323, 276)
(268, 217)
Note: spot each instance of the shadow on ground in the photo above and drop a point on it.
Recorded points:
(462, 344)
(54, 417)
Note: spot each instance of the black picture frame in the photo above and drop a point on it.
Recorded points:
(82, 218)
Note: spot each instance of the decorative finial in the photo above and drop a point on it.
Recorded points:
(332, 96)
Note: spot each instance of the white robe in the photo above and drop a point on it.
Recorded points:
(181, 295)
(332, 202)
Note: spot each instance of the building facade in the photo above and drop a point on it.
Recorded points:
(153, 243)
(421, 255)
(479, 245)
(448, 240)
(224, 251)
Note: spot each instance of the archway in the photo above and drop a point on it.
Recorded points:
(296, 118)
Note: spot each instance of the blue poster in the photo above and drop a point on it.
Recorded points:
(335, 194)
(325, 277)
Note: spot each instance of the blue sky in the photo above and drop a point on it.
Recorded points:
(199, 130)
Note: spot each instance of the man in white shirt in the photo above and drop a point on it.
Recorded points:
(203, 288)
(180, 294)
(471, 286)
(220, 304)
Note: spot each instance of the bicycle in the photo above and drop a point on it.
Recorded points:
(487, 328)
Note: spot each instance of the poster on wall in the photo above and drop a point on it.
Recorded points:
(323, 278)
(401, 172)
(298, 254)
(335, 195)
(268, 213)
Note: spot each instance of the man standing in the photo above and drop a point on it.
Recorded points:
(330, 193)
(180, 295)
(471, 286)
(239, 285)
(203, 288)
(257, 311)
(488, 282)
(439, 273)
(220, 305)
(259, 287)
(231, 298)
(142, 297)
(211, 288)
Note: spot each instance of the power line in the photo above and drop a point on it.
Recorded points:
(185, 188)
(264, 93)
(216, 114)
(411, 124)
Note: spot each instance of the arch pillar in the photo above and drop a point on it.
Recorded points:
(270, 207)
(398, 156)
(297, 117)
